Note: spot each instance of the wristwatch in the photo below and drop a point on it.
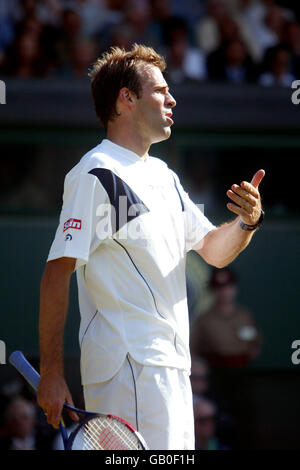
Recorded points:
(249, 228)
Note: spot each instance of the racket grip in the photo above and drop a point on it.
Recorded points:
(18, 360)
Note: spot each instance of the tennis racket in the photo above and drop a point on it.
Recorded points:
(93, 431)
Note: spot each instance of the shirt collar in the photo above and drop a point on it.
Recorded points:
(122, 153)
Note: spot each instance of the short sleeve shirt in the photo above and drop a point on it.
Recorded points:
(129, 224)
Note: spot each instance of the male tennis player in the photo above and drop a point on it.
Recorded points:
(125, 227)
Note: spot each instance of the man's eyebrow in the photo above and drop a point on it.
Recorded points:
(162, 87)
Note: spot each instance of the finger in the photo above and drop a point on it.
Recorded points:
(54, 415)
(237, 210)
(257, 178)
(73, 415)
(240, 201)
(244, 194)
(250, 189)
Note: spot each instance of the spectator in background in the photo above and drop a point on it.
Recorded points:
(270, 24)
(137, 15)
(122, 36)
(205, 416)
(93, 14)
(83, 53)
(278, 64)
(231, 63)
(113, 17)
(200, 372)
(226, 335)
(19, 426)
(224, 23)
(160, 15)
(291, 39)
(7, 24)
(184, 62)
(133, 27)
(207, 31)
(66, 37)
(26, 58)
(190, 10)
(203, 388)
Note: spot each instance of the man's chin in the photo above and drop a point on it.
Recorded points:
(165, 134)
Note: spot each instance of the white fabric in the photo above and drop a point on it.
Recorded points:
(157, 401)
(131, 284)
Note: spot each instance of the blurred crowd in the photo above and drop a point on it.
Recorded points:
(233, 41)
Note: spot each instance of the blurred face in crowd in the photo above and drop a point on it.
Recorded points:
(115, 4)
(274, 19)
(178, 50)
(123, 37)
(153, 110)
(160, 8)
(293, 36)
(236, 53)
(205, 420)
(84, 53)
(32, 26)
(229, 30)
(199, 377)
(21, 418)
(216, 8)
(225, 294)
(71, 23)
(138, 15)
(281, 64)
(28, 49)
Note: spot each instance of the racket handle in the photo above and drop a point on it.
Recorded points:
(18, 360)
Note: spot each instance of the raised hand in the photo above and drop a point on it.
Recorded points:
(247, 199)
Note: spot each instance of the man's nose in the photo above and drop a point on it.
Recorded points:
(170, 101)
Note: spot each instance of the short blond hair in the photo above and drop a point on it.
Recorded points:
(116, 69)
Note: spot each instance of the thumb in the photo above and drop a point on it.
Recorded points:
(257, 178)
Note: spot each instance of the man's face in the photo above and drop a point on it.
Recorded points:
(153, 110)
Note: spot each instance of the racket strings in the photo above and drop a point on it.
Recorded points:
(108, 434)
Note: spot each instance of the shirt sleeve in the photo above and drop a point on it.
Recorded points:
(77, 234)
(196, 223)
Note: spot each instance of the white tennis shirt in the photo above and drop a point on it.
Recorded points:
(129, 224)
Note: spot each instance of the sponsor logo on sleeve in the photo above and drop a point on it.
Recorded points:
(72, 223)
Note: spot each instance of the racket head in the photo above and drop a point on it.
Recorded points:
(104, 432)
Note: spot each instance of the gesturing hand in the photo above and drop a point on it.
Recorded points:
(247, 199)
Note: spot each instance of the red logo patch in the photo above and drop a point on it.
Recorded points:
(72, 223)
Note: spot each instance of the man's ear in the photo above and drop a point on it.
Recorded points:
(126, 97)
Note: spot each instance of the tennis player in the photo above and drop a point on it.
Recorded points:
(125, 227)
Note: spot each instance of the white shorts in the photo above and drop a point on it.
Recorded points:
(157, 401)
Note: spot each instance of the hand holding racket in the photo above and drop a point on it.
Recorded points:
(93, 431)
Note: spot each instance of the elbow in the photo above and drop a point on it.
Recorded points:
(218, 264)
(221, 265)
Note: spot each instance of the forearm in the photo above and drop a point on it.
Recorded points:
(222, 245)
(54, 297)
